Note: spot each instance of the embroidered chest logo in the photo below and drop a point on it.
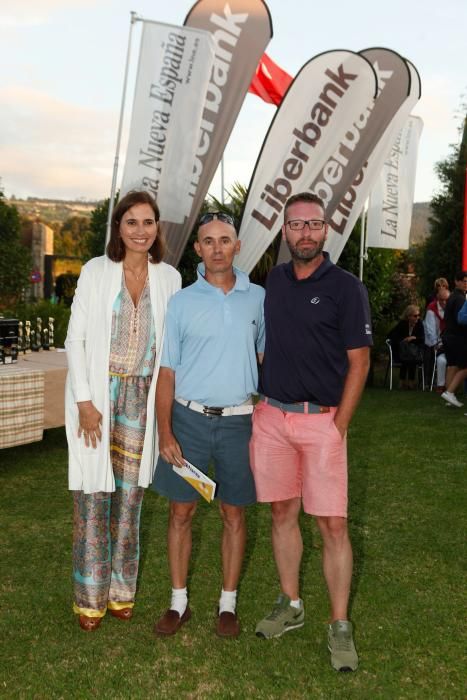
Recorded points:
(315, 300)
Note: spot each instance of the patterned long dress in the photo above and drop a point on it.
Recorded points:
(106, 525)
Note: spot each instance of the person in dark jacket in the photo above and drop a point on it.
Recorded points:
(455, 340)
(408, 331)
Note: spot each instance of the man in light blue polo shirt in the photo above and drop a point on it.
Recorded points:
(214, 334)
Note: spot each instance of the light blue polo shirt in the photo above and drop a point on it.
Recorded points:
(211, 341)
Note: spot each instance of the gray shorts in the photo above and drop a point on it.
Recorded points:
(220, 440)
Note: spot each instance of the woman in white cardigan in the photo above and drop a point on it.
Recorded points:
(113, 347)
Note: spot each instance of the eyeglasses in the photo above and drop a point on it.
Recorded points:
(299, 224)
(219, 215)
(414, 315)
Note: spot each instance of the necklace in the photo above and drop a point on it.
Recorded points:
(139, 276)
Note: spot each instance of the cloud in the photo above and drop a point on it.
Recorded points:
(439, 103)
(439, 109)
(34, 12)
(49, 147)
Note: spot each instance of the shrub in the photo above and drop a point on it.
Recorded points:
(43, 309)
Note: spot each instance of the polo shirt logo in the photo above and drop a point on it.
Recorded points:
(315, 300)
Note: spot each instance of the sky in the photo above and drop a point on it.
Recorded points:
(63, 65)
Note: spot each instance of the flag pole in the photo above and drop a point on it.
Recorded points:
(133, 18)
(222, 179)
(363, 253)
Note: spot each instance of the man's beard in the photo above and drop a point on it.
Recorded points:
(305, 255)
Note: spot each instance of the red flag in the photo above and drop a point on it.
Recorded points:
(270, 82)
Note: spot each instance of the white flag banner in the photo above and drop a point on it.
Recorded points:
(343, 219)
(241, 30)
(320, 115)
(343, 168)
(174, 71)
(391, 200)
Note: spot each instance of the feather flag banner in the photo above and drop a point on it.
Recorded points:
(174, 69)
(319, 117)
(241, 30)
(390, 206)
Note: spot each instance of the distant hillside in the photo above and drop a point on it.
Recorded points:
(52, 210)
(420, 228)
(57, 210)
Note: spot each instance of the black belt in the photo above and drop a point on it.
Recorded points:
(298, 407)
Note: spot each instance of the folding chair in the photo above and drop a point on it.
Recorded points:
(392, 364)
(433, 374)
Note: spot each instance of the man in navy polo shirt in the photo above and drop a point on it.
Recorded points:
(214, 331)
(315, 365)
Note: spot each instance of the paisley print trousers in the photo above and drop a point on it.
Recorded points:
(106, 525)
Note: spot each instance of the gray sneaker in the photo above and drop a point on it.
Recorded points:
(283, 618)
(340, 644)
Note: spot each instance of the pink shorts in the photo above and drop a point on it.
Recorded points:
(296, 455)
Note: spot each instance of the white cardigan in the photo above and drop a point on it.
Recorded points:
(88, 351)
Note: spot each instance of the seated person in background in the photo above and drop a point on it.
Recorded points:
(434, 325)
(439, 283)
(408, 332)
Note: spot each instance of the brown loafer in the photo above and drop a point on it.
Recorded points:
(89, 624)
(123, 614)
(170, 622)
(227, 625)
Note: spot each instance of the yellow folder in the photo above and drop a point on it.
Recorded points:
(202, 483)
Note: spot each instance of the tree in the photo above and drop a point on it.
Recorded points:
(189, 261)
(95, 242)
(380, 272)
(442, 252)
(15, 258)
(73, 237)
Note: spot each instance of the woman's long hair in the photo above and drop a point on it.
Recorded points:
(115, 247)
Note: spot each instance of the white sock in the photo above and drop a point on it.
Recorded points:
(179, 600)
(296, 603)
(227, 601)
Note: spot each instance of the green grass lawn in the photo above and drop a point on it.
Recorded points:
(407, 519)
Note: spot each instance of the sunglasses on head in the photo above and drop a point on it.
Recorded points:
(220, 215)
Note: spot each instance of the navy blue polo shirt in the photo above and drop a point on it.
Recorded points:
(310, 325)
